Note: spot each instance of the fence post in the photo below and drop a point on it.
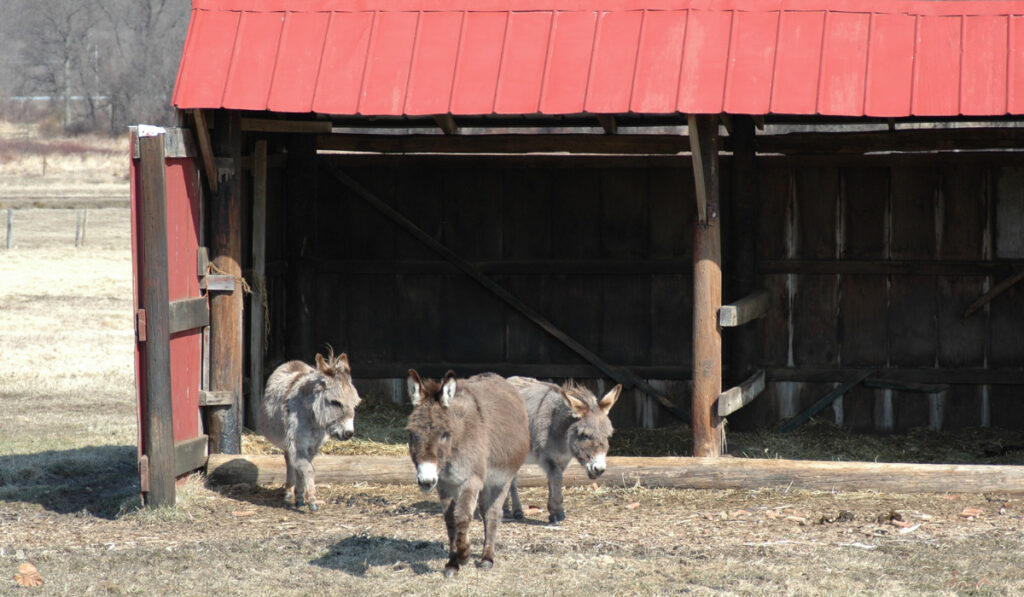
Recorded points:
(10, 227)
(82, 217)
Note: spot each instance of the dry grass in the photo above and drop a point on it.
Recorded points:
(68, 490)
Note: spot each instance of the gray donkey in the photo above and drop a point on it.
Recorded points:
(467, 437)
(303, 405)
(566, 422)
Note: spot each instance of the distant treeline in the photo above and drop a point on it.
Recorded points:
(90, 65)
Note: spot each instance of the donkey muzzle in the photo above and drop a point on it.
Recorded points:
(426, 476)
(344, 431)
(596, 467)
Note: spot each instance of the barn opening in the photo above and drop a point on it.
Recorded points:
(387, 184)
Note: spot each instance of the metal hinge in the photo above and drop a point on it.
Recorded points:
(140, 325)
(144, 473)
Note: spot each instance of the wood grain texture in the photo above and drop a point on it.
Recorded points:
(675, 472)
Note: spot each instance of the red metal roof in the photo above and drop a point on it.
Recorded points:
(475, 57)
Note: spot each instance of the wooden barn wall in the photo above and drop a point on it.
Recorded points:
(602, 247)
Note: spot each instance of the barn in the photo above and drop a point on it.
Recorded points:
(753, 211)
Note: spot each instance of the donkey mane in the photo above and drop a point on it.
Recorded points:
(581, 393)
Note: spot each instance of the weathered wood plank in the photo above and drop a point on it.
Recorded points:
(216, 398)
(258, 299)
(746, 309)
(206, 150)
(190, 455)
(157, 415)
(271, 125)
(675, 472)
(510, 143)
(737, 397)
(188, 314)
(825, 401)
(895, 267)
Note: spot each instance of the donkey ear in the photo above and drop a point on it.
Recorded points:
(324, 365)
(448, 388)
(415, 388)
(342, 359)
(609, 399)
(578, 407)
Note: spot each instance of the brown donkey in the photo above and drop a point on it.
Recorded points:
(467, 437)
(566, 422)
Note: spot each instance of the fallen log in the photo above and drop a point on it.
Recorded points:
(676, 472)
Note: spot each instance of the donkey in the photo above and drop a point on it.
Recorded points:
(303, 405)
(467, 437)
(566, 422)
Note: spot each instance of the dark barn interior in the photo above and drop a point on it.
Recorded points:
(870, 261)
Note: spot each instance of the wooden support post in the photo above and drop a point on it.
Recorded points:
(257, 322)
(10, 227)
(707, 289)
(159, 435)
(81, 219)
(300, 235)
(223, 422)
(206, 150)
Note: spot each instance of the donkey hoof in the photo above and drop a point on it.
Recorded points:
(313, 507)
(560, 516)
(450, 571)
(519, 515)
(486, 564)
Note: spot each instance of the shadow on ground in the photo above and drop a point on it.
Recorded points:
(98, 480)
(358, 553)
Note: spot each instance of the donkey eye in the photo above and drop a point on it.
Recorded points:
(446, 436)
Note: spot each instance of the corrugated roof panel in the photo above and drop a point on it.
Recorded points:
(983, 83)
(390, 57)
(890, 65)
(658, 62)
(473, 57)
(844, 57)
(340, 82)
(565, 80)
(705, 61)
(298, 62)
(1015, 69)
(748, 85)
(798, 63)
(614, 61)
(937, 69)
(206, 59)
(252, 65)
(522, 63)
(476, 74)
(433, 64)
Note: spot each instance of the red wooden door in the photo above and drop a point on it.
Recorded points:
(187, 313)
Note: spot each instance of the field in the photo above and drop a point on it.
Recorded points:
(69, 489)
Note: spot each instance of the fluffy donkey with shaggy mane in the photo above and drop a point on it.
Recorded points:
(301, 407)
(467, 437)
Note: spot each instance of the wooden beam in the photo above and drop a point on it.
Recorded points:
(178, 143)
(206, 150)
(745, 310)
(608, 123)
(157, 415)
(991, 294)
(736, 398)
(446, 122)
(532, 267)
(300, 204)
(619, 374)
(216, 398)
(190, 455)
(708, 430)
(825, 400)
(923, 375)
(273, 125)
(905, 140)
(224, 424)
(673, 472)
(258, 298)
(511, 143)
(904, 267)
(188, 314)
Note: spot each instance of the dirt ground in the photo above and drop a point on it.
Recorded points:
(69, 490)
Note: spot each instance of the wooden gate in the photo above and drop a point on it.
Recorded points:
(172, 312)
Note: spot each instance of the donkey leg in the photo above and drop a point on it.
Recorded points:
(448, 511)
(491, 499)
(556, 509)
(515, 510)
(289, 484)
(464, 506)
(304, 483)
